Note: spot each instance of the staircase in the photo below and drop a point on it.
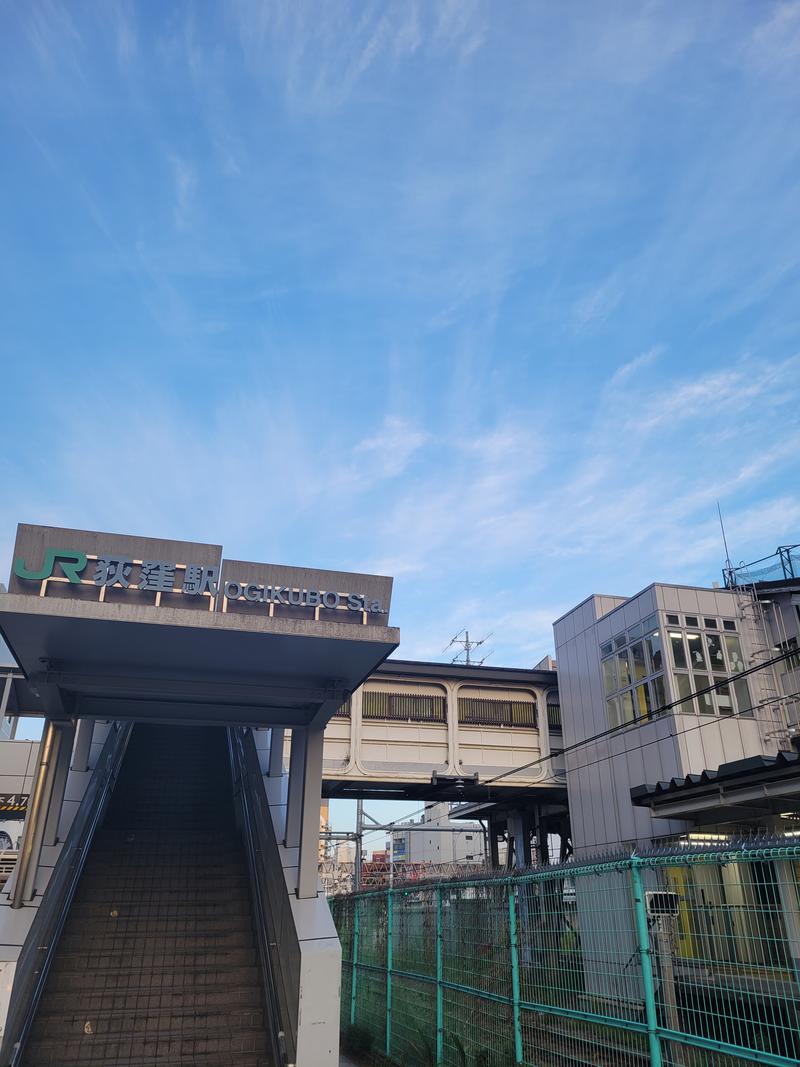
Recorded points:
(157, 962)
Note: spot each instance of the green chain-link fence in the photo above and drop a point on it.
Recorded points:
(682, 959)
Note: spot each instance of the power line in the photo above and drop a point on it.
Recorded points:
(637, 720)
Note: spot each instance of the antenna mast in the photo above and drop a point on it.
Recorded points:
(466, 648)
(728, 563)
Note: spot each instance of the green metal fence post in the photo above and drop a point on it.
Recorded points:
(439, 978)
(354, 976)
(389, 958)
(512, 936)
(645, 956)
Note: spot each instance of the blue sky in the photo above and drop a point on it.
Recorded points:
(496, 298)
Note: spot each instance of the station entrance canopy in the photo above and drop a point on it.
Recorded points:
(117, 627)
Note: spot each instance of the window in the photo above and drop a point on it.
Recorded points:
(691, 620)
(673, 620)
(742, 692)
(612, 708)
(343, 712)
(684, 693)
(484, 711)
(414, 707)
(635, 631)
(734, 650)
(694, 643)
(626, 706)
(623, 669)
(678, 651)
(653, 642)
(640, 670)
(706, 701)
(610, 676)
(710, 624)
(650, 623)
(606, 649)
(728, 624)
(619, 641)
(643, 706)
(658, 692)
(715, 654)
(554, 711)
(724, 699)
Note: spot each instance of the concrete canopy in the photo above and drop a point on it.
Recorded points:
(220, 659)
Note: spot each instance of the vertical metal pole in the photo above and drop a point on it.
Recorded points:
(389, 961)
(645, 957)
(275, 765)
(34, 821)
(391, 858)
(359, 844)
(515, 987)
(354, 975)
(439, 978)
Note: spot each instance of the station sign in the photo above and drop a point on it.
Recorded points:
(192, 579)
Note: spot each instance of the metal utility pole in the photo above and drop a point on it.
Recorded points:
(466, 648)
(359, 833)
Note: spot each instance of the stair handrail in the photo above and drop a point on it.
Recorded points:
(259, 839)
(38, 950)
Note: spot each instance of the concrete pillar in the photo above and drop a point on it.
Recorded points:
(276, 736)
(453, 752)
(294, 799)
(308, 868)
(519, 828)
(544, 726)
(494, 851)
(53, 817)
(83, 745)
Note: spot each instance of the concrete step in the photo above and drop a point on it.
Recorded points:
(88, 1003)
(189, 1021)
(95, 965)
(215, 1046)
(162, 978)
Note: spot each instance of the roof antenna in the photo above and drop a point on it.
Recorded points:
(728, 563)
(466, 647)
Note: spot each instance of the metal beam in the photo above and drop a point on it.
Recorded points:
(275, 766)
(294, 799)
(175, 711)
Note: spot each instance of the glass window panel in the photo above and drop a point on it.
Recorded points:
(743, 702)
(724, 699)
(658, 692)
(705, 702)
(729, 624)
(691, 620)
(678, 651)
(626, 706)
(735, 661)
(653, 642)
(606, 649)
(643, 707)
(697, 657)
(613, 712)
(684, 694)
(710, 624)
(623, 669)
(640, 670)
(715, 654)
(619, 641)
(610, 676)
(672, 620)
(650, 624)
(635, 631)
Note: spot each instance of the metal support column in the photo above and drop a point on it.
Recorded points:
(389, 964)
(515, 983)
(439, 979)
(294, 799)
(308, 870)
(646, 960)
(34, 822)
(276, 735)
(56, 803)
(83, 745)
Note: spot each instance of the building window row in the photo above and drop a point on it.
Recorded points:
(697, 621)
(472, 711)
(701, 659)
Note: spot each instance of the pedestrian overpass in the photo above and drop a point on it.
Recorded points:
(165, 907)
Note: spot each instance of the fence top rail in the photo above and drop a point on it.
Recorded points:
(749, 851)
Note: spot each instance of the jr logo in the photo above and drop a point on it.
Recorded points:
(71, 563)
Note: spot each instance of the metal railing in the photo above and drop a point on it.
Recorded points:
(37, 952)
(689, 959)
(782, 565)
(272, 916)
